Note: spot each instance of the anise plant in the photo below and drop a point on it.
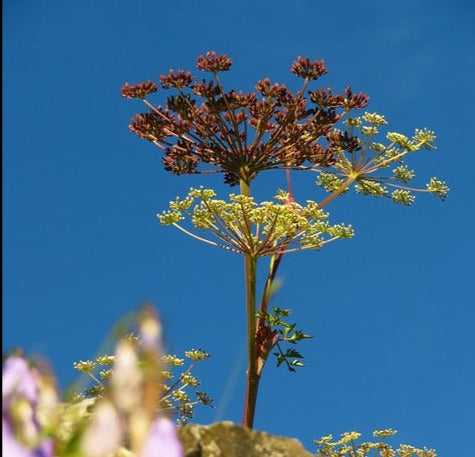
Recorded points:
(203, 128)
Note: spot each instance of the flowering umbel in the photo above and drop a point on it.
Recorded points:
(205, 129)
(348, 446)
(259, 230)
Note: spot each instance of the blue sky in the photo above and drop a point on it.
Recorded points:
(391, 310)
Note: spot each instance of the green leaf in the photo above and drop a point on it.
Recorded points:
(293, 353)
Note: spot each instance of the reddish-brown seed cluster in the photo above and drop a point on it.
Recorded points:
(354, 101)
(343, 141)
(278, 91)
(181, 104)
(178, 160)
(206, 89)
(214, 63)
(176, 80)
(140, 90)
(325, 99)
(205, 129)
(304, 68)
(149, 126)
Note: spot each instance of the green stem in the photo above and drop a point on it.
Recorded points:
(252, 382)
(337, 192)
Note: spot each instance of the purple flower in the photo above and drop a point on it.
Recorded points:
(19, 418)
(150, 329)
(162, 440)
(104, 435)
(13, 448)
(17, 380)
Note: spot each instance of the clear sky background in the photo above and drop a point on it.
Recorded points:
(392, 310)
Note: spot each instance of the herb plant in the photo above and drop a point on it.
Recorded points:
(203, 128)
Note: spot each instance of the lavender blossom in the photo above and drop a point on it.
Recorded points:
(162, 440)
(20, 426)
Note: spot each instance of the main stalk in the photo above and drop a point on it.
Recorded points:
(252, 379)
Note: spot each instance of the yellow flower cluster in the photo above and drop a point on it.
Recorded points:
(174, 385)
(241, 225)
(346, 446)
(361, 166)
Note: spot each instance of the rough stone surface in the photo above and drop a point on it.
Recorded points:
(226, 439)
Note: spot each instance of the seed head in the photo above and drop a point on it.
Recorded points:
(304, 68)
(140, 90)
(213, 63)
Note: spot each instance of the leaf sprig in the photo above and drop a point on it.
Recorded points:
(287, 333)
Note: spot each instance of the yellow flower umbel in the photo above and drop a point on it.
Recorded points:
(348, 447)
(243, 226)
(377, 168)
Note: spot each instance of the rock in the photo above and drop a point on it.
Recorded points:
(226, 439)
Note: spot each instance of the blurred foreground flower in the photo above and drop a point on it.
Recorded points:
(127, 416)
(162, 441)
(125, 421)
(104, 435)
(22, 433)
